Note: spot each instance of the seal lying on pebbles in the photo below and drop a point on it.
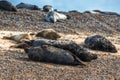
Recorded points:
(71, 46)
(28, 6)
(5, 5)
(98, 42)
(19, 37)
(93, 12)
(48, 34)
(106, 12)
(46, 53)
(47, 8)
(53, 16)
(102, 12)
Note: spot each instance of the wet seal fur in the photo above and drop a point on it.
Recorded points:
(47, 53)
(98, 42)
(5, 5)
(82, 53)
(27, 6)
(48, 34)
(54, 16)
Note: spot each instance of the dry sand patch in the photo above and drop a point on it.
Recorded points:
(15, 64)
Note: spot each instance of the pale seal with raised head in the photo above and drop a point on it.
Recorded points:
(54, 16)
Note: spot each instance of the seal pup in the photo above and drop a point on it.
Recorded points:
(54, 16)
(47, 53)
(93, 12)
(27, 6)
(98, 42)
(48, 34)
(19, 37)
(82, 53)
(5, 5)
(47, 8)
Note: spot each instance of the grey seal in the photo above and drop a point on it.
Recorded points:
(54, 16)
(47, 53)
(82, 53)
(98, 42)
(27, 6)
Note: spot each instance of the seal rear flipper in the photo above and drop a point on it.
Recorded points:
(77, 61)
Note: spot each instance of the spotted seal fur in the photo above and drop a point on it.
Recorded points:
(98, 42)
(54, 16)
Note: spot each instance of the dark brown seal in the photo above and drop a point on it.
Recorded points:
(46, 53)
